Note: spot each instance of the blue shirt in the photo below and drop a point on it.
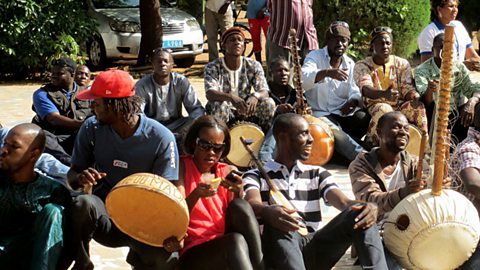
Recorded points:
(253, 7)
(151, 148)
(44, 106)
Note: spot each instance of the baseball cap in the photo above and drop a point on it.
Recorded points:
(110, 84)
(64, 62)
(231, 31)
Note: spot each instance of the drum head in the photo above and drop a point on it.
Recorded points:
(148, 208)
(238, 156)
(413, 147)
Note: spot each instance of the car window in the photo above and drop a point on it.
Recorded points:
(123, 3)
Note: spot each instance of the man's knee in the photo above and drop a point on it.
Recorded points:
(51, 214)
(238, 243)
(384, 108)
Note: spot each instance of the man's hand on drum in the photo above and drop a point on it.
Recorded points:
(204, 190)
(413, 186)
(349, 107)
(367, 216)
(252, 102)
(447, 182)
(239, 104)
(89, 177)
(172, 244)
(280, 218)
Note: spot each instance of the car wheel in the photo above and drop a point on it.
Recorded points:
(97, 57)
(184, 62)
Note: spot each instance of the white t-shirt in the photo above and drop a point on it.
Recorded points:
(462, 39)
(394, 181)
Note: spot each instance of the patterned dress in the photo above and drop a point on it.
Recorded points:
(396, 73)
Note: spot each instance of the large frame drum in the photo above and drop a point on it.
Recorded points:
(148, 208)
(413, 147)
(238, 156)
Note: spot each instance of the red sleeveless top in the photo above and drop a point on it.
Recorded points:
(207, 218)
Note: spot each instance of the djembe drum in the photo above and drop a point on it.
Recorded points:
(238, 156)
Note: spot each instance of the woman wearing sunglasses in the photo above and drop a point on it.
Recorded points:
(223, 232)
(445, 12)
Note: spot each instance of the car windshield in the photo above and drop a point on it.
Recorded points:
(123, 3)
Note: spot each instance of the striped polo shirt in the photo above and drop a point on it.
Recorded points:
(304, 186)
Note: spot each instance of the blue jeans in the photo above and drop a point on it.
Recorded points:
(323, 248)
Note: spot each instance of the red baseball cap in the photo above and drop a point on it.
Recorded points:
(110, 84)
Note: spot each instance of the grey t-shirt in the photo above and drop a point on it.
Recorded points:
(151, 148)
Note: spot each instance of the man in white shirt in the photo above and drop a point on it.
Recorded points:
(332, 93)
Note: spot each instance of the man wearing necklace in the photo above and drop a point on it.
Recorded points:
(332, 93)
(229, 81)
(385, 81)
(164, 92)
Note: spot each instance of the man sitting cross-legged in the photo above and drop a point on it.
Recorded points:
(164, 93)
(303, 186)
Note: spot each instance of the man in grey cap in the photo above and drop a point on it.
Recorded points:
(332, 93)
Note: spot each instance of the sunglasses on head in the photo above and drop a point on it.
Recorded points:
(160, 50)
(206, 146)
(339, 23)
(380, 29)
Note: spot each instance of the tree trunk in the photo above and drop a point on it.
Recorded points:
(151, 26)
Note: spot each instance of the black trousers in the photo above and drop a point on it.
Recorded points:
(88, 218)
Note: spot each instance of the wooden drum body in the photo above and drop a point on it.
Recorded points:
(432, 232)
(322, 149)
(148, 208)
(238, 156)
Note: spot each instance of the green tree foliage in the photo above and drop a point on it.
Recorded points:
(407, 18)
(33, 32)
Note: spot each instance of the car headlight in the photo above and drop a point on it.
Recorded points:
(193, 25)
(129, 27)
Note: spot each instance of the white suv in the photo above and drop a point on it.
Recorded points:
(118, 32)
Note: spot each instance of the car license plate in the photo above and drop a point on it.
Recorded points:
(172, 43)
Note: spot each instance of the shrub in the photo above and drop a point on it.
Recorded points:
(32, 32)
(407, 18)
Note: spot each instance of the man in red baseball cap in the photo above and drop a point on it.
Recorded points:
(117, 142)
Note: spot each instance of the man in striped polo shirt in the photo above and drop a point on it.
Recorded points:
(303, 186)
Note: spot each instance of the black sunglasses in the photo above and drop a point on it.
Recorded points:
(206, 146)
(380, 29)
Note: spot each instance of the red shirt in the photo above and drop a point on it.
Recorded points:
(207, 218)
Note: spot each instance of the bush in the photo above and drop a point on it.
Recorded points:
(407, 18)
(33, 32)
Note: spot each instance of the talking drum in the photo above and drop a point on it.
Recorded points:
(322, 148)
(238, 156)
(432, 232)
(413, 147)
(148, 208)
